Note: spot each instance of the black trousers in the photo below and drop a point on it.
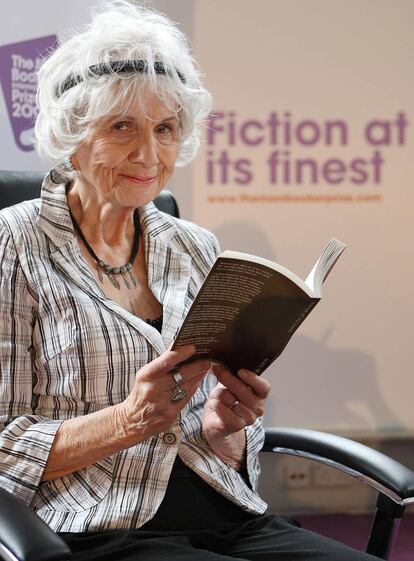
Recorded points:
(196, 523)
(267, 538)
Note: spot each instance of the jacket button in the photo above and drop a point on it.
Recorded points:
(169, 438)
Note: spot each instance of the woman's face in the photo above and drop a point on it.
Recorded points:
(128, 159)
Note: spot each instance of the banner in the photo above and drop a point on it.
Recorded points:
(311, 138)
(19, 64)
(28, 31)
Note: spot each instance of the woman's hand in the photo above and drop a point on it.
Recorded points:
(235, 403)
(148, 409)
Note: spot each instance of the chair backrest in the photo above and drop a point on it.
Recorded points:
(18, 186)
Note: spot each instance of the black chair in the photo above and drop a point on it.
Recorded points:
(25, 537)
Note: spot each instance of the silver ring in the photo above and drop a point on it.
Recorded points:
(176, 374)
(177, 394)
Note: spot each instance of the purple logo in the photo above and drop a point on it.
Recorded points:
(19, 63)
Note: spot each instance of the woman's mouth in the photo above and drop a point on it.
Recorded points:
(140, 179)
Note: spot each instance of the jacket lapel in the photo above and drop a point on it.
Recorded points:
(168, 277)
(168, 269)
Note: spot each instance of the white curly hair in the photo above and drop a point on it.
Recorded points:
(71, 96)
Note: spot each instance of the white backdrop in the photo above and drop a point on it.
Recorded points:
(306, 64)
(327, 81)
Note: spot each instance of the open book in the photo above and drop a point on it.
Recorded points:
(249, 307)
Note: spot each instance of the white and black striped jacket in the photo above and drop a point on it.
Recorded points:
(67, 350)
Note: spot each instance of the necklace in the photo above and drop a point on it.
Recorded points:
(107, 269)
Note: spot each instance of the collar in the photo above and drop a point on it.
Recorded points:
(158, 230)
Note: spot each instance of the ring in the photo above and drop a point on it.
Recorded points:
(234, 404)
(177, 394)
(176, 374)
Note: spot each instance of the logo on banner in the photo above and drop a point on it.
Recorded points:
(19, 63)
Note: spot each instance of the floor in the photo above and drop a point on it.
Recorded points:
(354, 530)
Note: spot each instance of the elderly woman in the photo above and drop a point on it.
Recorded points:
(124, 447)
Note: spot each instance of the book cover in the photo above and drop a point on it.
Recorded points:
(248, 308)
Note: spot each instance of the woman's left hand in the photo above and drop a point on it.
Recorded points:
(235, 403)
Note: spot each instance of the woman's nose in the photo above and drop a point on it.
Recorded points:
(144, 151)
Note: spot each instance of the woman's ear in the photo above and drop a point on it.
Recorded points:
(74, 162)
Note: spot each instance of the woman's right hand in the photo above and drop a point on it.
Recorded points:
(148, 410)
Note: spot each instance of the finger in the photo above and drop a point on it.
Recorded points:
(187, 385)
(194, 369)
(248, 391)
(246, 414)
(236, 386)
(224, 396)
(221, 393)
(187, 377)
(165, 362)
(230, 422)
(189, 381)
(260, 386)
(190, 389)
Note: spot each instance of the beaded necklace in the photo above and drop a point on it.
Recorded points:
(108, 270)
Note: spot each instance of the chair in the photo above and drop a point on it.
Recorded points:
(25, 537)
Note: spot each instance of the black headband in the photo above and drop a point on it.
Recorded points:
(116, 67)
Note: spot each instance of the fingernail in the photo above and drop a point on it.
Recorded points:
(243, 373)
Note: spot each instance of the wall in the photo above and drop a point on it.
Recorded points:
(329, 83)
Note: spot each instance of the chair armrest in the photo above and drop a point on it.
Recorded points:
(25, 535)
(374, 468)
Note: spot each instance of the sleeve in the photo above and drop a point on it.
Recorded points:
(191, 423)
(214, 246)
(25, 438)
(254, 443)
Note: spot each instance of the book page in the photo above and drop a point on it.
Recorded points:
(323, 266)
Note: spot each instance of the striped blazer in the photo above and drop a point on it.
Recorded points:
(67, 350)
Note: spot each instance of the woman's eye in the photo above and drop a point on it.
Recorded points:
(164, 129)
(167, 133)
(121, 126)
